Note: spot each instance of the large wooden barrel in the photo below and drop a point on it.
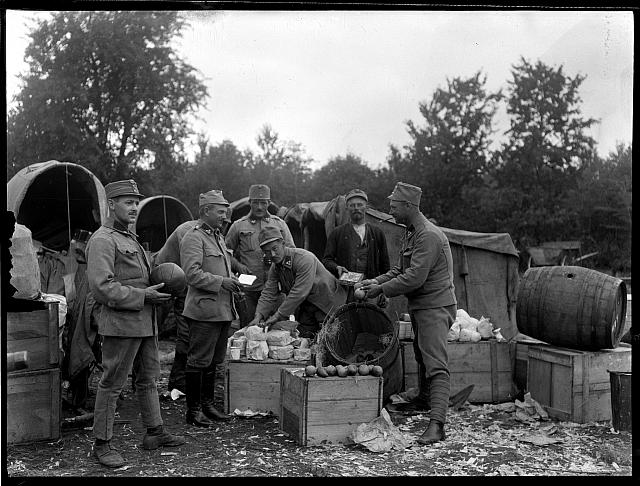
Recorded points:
(573, 307)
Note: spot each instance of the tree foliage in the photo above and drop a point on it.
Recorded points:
(545, 154)
(105, 90)
(339, 175)
(450, 151)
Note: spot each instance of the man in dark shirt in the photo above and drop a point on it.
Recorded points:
(356, 246)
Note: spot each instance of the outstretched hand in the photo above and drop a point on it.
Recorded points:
(152, 296)
(231, 284)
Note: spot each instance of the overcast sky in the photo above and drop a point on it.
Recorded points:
(347, 81)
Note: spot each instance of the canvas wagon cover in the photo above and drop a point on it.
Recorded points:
(53, 199)
(157, 217)
(485, 264)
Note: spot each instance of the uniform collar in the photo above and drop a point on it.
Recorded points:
(287, 261)
(266, 218)
(112, 223)
(206, 228)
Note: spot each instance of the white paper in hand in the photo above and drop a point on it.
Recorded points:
(245, 279)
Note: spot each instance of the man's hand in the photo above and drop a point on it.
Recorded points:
(255, 321)
(340, 270)
(152, 296)
(231, 284)
(243, 269)
(373, 290)
(364, 283)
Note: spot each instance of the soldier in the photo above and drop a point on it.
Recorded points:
(118, 277)
(209, 306)
(242, 238)
(424, 273)
(308, 289)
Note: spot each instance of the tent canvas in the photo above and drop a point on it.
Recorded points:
(53, 199)
(485, 264)
(157, 217)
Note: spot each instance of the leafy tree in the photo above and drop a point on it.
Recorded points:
(546, 151)
(105, 90)
(222, 166)
(450, 152)
(282, 165)
(339, 176)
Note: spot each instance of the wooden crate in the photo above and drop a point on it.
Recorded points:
(522, 360)
(255, 385)
(33, 406)
(318, 410)
(488, 365)
(574, 385)
(35, 332)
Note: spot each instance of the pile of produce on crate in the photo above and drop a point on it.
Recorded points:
(469, 329)
(282, 343)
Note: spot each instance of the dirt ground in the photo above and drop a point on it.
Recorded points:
(482, 440)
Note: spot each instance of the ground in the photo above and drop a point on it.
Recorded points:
(482, 440)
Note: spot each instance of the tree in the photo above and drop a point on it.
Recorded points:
(450, 152)
(282, 165)
(222, 166)
(546, 151)
(105, 90)
(339, 176)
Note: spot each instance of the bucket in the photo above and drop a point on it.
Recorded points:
(620, 399)
(341, 329)
(572, 307)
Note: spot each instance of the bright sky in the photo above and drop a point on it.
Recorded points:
(339, 81)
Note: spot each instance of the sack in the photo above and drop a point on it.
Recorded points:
(279, 338)
(485, 328)
(281, 352)
(468, 335)
(290, 326)
(258, 350)
(302, 354)
(454, 331)
(25, 271)
(255, 333)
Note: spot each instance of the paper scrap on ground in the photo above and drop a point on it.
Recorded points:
(380, 435)
(249, 413)
(245, 279)
(175, 394)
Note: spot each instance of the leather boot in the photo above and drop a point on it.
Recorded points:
(208, 389)
(176, 376)
(193, 380)
(434, 433)
(158, 437)
(106, 454)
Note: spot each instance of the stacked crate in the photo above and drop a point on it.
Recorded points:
(33, 378)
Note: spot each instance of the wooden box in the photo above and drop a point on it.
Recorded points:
(405, 331)
(522, 360)
(255, 385)
(488, 365)
(33, 406)
(326, 410)
(35, 332)
(574, 385)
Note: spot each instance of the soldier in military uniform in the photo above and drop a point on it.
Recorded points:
(118, 278)
(308, 288)
(209, 306)
(242, 238)
(424, 273)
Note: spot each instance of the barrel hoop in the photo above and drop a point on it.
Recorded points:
(580, 312)
(529, 287)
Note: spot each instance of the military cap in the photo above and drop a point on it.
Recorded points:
(259, 191)
(213, 197)
(356, 193)
(269, 234)
(122, 188)
(406, 192)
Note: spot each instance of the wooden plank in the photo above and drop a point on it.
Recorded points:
(328, 434)
(37, 333)
(331, 412)
(343, 388)
(33, 406)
